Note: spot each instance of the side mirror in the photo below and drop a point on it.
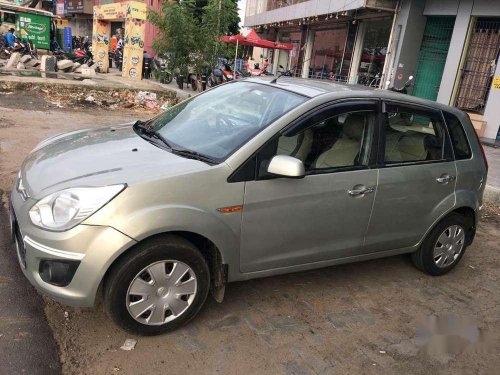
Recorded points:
(286, 166)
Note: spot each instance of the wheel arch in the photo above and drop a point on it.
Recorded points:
(465, 211)
(208, 249)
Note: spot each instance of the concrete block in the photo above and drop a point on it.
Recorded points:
(48, 64)
(33, 63)
(20, 65)
(88, 72)
(76, 65)
(13, 60)
(24, 59)
(80, 68)
(64, 64)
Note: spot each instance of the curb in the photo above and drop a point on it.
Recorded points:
(492, 195)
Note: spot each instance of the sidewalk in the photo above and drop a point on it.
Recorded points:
(492, 192)
(112, 80)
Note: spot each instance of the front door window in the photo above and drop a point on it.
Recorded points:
(334, 142)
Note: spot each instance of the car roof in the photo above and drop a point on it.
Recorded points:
(307, 87)
(313, 88)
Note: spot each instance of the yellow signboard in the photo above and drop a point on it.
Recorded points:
(120, 11)
(136, 10)
(113, 11)
(100, 44)
(135, 15)
(496, 83)
(133, 47)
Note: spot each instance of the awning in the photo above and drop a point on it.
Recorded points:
(254, 40)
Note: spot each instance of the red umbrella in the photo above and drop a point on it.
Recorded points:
(254, 40)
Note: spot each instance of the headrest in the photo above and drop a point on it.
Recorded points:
(354, 125)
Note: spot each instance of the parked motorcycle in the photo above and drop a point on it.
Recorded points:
(83, 55)
(117, 57)
(190, 79)
(160, 70)
(22, 46)
(284, 72)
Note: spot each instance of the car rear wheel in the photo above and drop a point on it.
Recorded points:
(159, 286)
(444, 246)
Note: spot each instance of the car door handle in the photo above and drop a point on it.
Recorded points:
(360, 191)
(444, 179)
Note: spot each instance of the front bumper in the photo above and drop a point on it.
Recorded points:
(94, 247)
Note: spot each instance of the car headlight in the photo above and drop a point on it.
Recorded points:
(67, 208)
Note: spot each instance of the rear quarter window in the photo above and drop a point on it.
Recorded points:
(458, 138)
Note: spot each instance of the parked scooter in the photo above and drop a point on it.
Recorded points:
(407, 117)
(404, 89)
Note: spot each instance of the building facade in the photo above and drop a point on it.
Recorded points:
(451, 47)
(332, 39)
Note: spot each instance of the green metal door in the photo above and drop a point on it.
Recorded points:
(432, 57)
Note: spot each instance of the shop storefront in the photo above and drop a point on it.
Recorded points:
(343, 50)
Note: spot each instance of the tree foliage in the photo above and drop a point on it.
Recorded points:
(190, 30)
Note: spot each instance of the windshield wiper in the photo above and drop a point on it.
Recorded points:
(144, 129)
(150, 133)
(193, 155)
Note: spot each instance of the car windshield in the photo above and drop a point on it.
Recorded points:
(218, 122)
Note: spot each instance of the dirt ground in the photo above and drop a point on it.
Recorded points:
(376, 317)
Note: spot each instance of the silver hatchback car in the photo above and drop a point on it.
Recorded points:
(253, 178)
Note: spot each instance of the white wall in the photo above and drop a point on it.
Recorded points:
(306, 9)
(457, 43)
(492, 110)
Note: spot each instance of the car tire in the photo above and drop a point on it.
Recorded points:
(443, 245)
(161, 250)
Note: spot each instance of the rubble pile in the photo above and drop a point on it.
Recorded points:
(79, 97)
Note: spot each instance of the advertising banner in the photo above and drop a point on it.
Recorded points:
(100, 44)
(136, 10)
(133, 48)
(113, 11)
(35, 28)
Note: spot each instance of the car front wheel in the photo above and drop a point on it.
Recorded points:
(444, 246)
(157, 287)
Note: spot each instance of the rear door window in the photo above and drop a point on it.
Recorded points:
(413, 135)
(459, 140)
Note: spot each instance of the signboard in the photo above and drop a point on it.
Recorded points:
(75, 6)
(133, 48)
(100, 44)
(496, 83)
(60, 9)
(119, 11)
(35, 28)
(135, 15)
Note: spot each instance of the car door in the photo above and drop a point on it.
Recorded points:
(323, 216)
(417, 175)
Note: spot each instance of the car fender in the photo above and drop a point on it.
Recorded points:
(222, 229)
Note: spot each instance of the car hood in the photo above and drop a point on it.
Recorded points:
(98, 157)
